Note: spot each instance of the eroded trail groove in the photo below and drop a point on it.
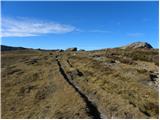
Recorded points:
(90, 107)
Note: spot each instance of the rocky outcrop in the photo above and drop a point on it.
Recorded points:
(81, 50)
(155, 78)
(136, 45)
(72, 49)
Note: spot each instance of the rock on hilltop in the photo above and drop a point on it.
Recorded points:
(136, 45)
(72, 49)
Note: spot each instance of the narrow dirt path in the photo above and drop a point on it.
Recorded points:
(90, 107)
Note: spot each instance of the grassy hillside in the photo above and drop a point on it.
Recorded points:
(109, 83)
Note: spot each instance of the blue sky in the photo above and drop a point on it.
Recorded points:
(86, 25)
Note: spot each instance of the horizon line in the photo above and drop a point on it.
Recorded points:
(69, 47)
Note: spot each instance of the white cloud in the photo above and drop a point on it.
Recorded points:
(134, 34)
(23, 27)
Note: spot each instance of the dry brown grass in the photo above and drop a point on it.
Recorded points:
(33, 87)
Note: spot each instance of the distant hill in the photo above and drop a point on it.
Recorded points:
(137, 45)
(9, 48)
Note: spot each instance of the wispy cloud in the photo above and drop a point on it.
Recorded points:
(146, 20)
(134, 34)
(94, 31)
(24, 27)
(99, 31)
